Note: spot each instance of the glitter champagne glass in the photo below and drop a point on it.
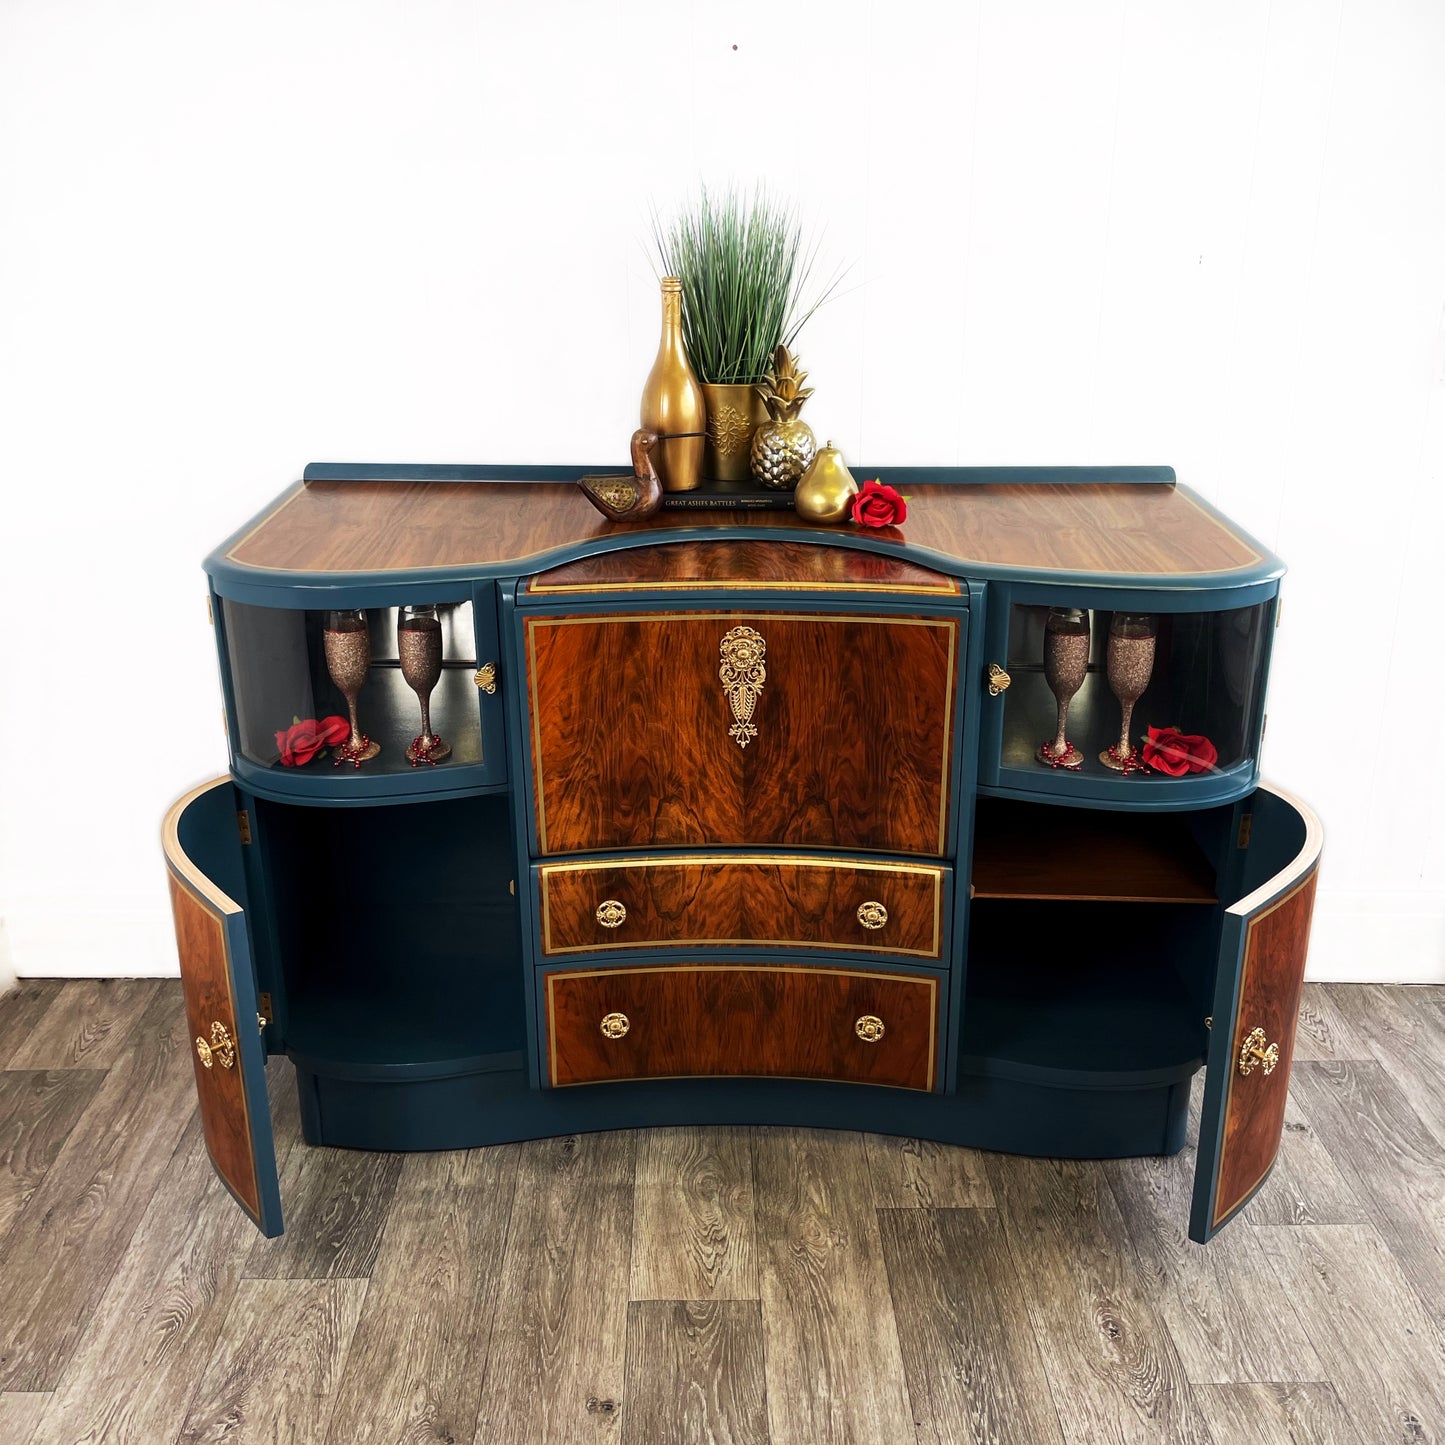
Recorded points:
(348, 660)
(1066, 664)
(1129, 665)
(419, 648)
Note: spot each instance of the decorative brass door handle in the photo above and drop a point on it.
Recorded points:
(741, 656)
(614, 1025)
(869, 1028)
(872, 915)
(220, 1050)
(998, 680)
(485, 677)
(1255, 1054)
(611, 913)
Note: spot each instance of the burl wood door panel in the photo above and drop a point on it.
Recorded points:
(736, 1020)
(220, 999)
(739, 901)
(1262, 964)
(846, 743)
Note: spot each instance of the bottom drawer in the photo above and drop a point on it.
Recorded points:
(670, 1021)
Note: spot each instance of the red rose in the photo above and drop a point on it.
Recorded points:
(299, 743)
(1167, 750)
(879, 506)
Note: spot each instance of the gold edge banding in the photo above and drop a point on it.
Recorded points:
(539, 776)
(651, 968)
(1221, 1211)
(827, 945)
(946, 777)
(691, 860)
(912, 589)
(179, 860)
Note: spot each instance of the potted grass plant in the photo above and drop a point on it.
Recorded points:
(745, 273)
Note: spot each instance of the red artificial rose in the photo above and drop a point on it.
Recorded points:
(1167, 750)
(306, 737)
(879, 506)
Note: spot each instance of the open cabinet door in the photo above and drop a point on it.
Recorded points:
(1256, 1006)
(203, 852)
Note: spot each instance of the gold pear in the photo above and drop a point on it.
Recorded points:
(826, 490)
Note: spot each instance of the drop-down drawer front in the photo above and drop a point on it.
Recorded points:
(703, 728)
(742, 1020)
(745, 901)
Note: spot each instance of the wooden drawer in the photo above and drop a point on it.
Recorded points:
(740, 901)
(639, 740)
(669, 1021)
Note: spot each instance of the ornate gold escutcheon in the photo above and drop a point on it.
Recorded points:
(611, 913)
(1255, 1054)
(614, 1025)
(486, 677)
(998, 680)
(872, 915)
(869, 1028)
(742, 654)
(220, 1050)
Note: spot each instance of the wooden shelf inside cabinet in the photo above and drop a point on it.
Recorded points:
(1032, 850)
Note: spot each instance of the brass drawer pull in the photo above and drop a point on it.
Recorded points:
(741, 655)
(872, 915)
(869, 1028)
(1255, 1054)
(611, 913)
(615, 1025)
(485, 677)
(998, 680)
(220, 1050)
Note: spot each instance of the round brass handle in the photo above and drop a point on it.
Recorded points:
(998, 680)
(869, 1028)
(611, 913)
(614, 1025)
(220, 1050)
(872, 915)
(1255, 1054)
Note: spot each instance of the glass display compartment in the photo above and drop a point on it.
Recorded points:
(355, 692)
(1151, 698)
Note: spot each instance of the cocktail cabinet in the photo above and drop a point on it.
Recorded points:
(538, 823)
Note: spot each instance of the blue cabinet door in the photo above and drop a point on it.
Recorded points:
(1257, 995)
(202, 841)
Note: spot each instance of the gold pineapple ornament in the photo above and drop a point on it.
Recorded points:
(784, 445)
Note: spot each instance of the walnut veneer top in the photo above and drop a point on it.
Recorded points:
(1144, 530)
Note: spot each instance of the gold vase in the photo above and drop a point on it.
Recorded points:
(734, 413)
(672, 401)
(826, 490)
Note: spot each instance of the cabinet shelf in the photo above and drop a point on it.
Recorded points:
(1031, 850)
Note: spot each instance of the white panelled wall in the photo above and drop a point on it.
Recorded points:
(235, 237)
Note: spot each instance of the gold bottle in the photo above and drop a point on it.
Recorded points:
(826, 490)
(672, 404)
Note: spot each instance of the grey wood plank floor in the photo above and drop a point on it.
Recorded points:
(737, 1286)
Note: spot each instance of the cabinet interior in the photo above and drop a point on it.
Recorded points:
(1092, 941)
(278, 672)
(415, 961)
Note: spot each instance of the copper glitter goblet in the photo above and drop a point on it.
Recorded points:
(1129, 666)
(1066, 664)
(348, 660)
(419, 648)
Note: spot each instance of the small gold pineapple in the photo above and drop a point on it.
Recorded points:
(784, 446)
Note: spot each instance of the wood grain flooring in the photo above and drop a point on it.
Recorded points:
(721, 1286)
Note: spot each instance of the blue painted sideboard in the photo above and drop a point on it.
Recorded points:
(744, 822)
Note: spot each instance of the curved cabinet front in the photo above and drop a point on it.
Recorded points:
(698, 728)
(1261, 975)
(671, 1021)
(745, 901)
(201, 845)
